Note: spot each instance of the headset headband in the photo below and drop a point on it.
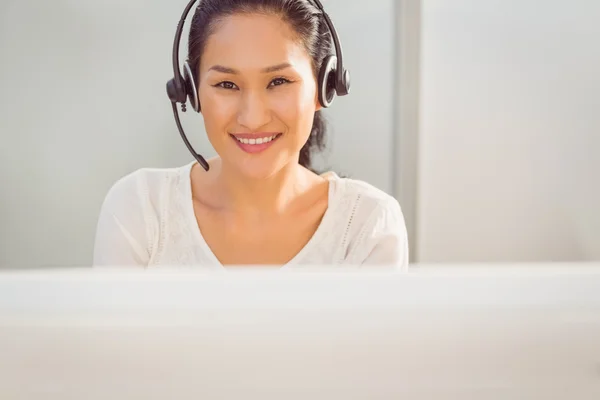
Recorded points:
(178, 33)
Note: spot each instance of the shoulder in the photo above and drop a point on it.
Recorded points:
(142, 197)
(143, 184)
(132, 214)
(367, 201)
(375, 230)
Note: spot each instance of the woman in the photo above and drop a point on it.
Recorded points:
(255, 66)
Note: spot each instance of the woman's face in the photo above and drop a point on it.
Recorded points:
(258, 93)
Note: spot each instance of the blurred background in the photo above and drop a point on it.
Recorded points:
(481, 116)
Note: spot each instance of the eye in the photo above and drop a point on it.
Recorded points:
(226, 85)
(279, 82)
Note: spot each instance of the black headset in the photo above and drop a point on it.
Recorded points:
(333, 80)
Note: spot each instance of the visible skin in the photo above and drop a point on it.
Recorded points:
(257, 208)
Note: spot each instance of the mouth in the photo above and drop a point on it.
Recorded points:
(255, 142)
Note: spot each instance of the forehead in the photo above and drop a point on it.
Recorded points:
(253, 41)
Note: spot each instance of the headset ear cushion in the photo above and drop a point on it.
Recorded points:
(190, 87)
(327, 81)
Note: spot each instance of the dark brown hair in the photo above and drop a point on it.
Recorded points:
(304, 18)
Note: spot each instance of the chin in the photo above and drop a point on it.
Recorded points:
(258, 168)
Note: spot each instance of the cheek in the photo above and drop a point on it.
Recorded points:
(217, 111)
(296, 108)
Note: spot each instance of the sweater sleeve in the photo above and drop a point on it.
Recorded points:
(384, 239)
(121, 238)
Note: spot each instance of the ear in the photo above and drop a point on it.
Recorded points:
(318, 105)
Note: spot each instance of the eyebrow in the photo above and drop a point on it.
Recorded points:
(227, 70)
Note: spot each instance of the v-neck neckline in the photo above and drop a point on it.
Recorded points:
(199, 239)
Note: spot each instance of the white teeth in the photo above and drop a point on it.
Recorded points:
(257, 140)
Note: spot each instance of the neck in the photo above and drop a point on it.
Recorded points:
(268, 196)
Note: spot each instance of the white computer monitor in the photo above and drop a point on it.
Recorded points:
(434, 332)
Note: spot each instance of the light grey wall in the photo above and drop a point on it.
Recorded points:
(509, 131)
(83, 102)
(406, 113)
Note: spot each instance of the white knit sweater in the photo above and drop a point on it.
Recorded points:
(147, 219)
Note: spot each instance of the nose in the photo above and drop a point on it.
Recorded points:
(254, 111)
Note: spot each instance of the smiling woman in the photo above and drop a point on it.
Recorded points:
(260, 71)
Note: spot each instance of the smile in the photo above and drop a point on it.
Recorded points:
(255, 143)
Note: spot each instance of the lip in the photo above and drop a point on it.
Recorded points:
(254, 148)
(255, 135)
